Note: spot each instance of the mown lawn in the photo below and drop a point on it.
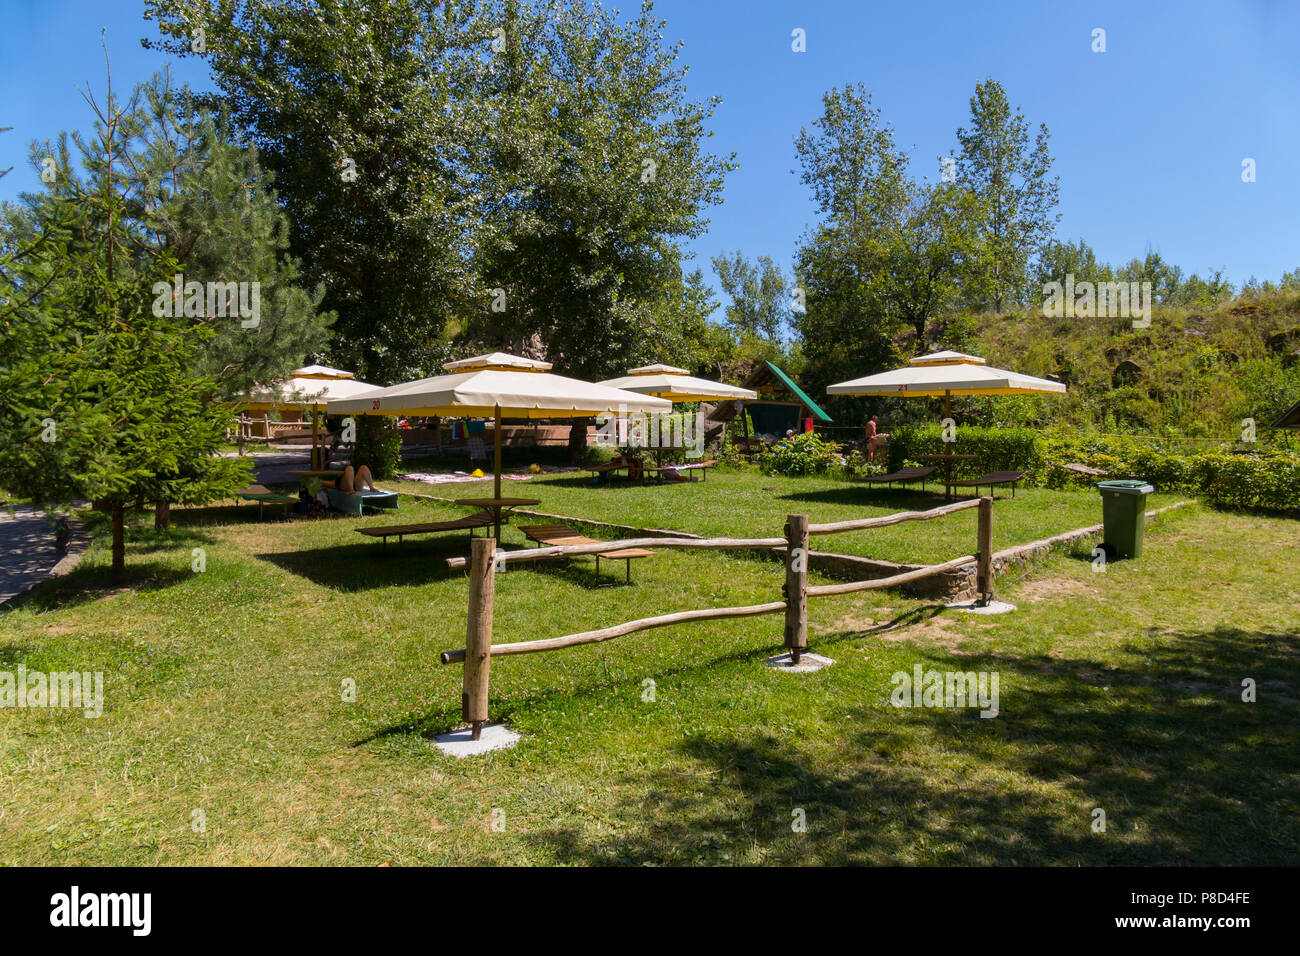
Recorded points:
(749, 504)
(1119, 691)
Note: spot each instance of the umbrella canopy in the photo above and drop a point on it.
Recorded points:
(313, 385)
(499, 384)
(947, 373)
(305, 390)
(677, 385)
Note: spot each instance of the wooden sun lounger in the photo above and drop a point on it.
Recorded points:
(480, 520)
(704, 467)
(902, 476)
(559, 534)
(991, 479)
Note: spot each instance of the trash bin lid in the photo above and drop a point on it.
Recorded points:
(1126, 486)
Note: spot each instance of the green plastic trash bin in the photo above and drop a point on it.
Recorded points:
(1123, 514)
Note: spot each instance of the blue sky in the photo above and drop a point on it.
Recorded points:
(1148, 137)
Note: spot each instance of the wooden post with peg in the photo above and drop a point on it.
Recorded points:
(984, 550)
(478, 634)
(796, 586)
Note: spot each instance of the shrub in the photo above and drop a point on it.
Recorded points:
(803, 454)
(995, 449)
(378, 445)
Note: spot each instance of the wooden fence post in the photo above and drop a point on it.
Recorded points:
(796, 585)
(478, 634)
(984, 548)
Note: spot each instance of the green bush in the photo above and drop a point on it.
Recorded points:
(995, 449)
(378, 445)
(1267, 478)
(803, 454)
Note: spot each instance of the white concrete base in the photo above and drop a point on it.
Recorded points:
(993, 607)
(807, 663)
(458, 742)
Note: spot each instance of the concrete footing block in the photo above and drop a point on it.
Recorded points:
(807, 663)
(459, 742)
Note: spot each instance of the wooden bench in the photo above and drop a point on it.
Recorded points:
(559, 534)
(634, 466)
(902, 476)
(991, 479)
(674, 471)
(480, 520)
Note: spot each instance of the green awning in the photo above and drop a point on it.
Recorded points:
(799, 393)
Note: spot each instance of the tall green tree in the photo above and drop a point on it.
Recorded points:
(859, 181)
(99, 393)
(1060, 258)
(889, 254)
(370, 117)
(598, 172)
(1010, 177)
(761, 306)
(196, 194)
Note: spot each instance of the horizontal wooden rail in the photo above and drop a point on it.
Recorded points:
(618, 630)
(860, 524)
(618, 544)
(487, 560)
(821, 590)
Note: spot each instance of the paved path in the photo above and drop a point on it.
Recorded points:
(27, 550)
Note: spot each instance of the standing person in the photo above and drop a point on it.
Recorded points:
(875, 438)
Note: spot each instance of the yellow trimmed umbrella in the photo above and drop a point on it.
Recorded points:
(947, 373)
(677, 385)
(312, 386)
(495, 385)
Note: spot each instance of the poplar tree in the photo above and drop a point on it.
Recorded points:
(1010, 178)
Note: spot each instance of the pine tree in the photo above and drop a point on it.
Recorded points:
(101, 396)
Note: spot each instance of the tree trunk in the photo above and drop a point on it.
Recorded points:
(162, 515)
(119, 537)
(578, 440)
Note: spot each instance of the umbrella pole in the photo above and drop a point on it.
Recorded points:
(496, 449)
(315, 424)
(947, 447)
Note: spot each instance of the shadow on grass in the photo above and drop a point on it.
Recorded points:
(1186, 772)
(865, 495)
(86, 583)
(364, 566)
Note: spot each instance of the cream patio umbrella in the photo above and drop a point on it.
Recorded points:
(311, 386)
(495, 385)
(947, 373)
(677, 385)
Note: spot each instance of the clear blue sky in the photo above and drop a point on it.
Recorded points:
(1148, 137)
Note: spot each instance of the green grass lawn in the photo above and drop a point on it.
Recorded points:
(748, 504)
(1119, 691)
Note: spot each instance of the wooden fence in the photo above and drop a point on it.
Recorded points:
(485, 560)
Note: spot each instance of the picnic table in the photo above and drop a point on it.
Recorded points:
(498, 508)
(947, 468)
